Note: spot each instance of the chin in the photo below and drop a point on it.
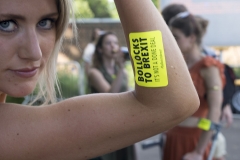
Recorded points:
(20, 91)
(19, 94)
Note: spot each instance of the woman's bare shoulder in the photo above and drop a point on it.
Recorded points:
(93, 72)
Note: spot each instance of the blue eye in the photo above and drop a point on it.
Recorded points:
(7, 26)
(45, 24)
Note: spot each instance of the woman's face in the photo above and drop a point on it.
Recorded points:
(27, 38)
(109, 46)
(185, 43)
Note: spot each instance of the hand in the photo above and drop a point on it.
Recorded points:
(119, 59)
(227, 115)
(193, 156)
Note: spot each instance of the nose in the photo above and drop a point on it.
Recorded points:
(30, 45)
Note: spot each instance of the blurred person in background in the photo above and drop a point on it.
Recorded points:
(229, 88)
(90, 49)
(227, 116)
(173, 9)
(108, 75)
(191, 143)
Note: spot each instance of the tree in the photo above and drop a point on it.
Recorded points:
(100, 8)
(97, 8)
(82, 9)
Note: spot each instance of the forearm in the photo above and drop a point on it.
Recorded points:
(192, 122)
(214, 101)
(203, 142)
(205, 139)
(142, 16)
(117, 83)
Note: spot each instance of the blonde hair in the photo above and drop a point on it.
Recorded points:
(48, 78)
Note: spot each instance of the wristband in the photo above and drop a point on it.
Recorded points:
(204, 124)
(148, 57)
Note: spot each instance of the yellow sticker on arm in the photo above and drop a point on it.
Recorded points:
(204, 124)
(148, 56)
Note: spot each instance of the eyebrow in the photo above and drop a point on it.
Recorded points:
(15, 16)
(55, 14)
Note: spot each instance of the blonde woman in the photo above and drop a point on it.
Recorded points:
(87, 126)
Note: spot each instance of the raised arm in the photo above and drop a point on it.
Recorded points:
(142, 16)
(88, 126)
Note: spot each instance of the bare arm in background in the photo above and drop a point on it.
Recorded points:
(211, 78)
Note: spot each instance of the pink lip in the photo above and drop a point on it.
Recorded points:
(26, 72)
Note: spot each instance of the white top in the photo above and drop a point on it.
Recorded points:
(88, 52)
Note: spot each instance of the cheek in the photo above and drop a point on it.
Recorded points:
(8, 51)
(106, 47)
(182, 44)
(47, 48)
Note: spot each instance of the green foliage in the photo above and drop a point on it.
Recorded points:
(113, 10)
(68, 83)
(94, 9)
(14, 100)
(237, 71)
(100, 8)
(82, 9)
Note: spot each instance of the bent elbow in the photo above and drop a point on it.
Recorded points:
(194, 104)
(189, 105)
